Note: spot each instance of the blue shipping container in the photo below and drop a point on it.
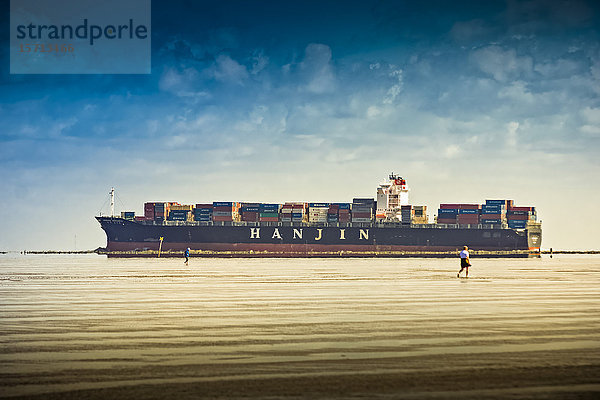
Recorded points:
(461, 211)
(448, 211)
(223, 204)
(517, 224)
(495, 202)
(490, 221)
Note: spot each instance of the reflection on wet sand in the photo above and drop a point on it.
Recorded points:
(87, 326)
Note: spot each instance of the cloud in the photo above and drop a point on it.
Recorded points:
(511, 137)
(502, 64)
(228, 70)
(517, 92)
(396, 88)
(182, 83)
(317, 69)
(259, 62)
(591, 117)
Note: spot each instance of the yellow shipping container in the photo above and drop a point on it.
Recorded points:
(182, 207)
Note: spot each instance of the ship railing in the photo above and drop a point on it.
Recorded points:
(327, 224)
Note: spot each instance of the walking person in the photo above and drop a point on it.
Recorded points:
(186, 254)
(464, 261)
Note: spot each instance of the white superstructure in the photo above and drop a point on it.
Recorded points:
(391, 195)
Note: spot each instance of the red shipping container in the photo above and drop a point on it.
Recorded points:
(449, 206)
(269, 219)
(521, 208)
(518, 217)
(204, 205)
(491, 216)
(222, 218)
(470, 207)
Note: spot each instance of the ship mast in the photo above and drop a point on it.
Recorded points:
(112, 202)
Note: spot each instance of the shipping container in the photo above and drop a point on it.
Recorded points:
(491, 216)
(128, 214)
(223, 204)
(269, 219)
(490, 221)
(518, 217)
(513, 208)
(447, 211)
(516, 224)
(446, 221)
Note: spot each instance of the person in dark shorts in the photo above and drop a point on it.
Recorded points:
(464, 261)
(186, 254)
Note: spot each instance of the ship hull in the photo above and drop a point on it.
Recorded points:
(303, 240)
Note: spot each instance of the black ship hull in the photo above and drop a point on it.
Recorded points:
(310, 240)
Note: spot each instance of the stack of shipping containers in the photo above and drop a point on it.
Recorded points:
(286, 212)
(494, 211)
(406, 214)
(225, 211)
(333, 213)
(149, 211)
(298, 212)
(464, 214)
(344, 213)
(203, 212)
(161, 211)
(179, 212)
(447, 213)
(317, 212)
(268, 212)
(249, 212)
(363, 210)
(419, 215)
(468, 214)
(518, 216)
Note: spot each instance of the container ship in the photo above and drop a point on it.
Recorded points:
(387, 223)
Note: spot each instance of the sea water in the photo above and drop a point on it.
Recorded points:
(72, 322)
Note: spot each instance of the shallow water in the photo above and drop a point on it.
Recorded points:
(86, 322)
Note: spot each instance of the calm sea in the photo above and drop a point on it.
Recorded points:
(85, 322)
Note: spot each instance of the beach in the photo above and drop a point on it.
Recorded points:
(84, 326)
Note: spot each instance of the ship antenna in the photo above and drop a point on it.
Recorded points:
(112, 202)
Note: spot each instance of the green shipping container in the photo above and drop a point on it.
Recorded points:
(269, 214)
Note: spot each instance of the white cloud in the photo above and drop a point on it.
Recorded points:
(591, 116)
(228, 70)
(373, 111)
(182, 83)
(511, 136)
(259, 62)
(396, 88)
(451, 151)
(317, 69)
(560, 68)
(517, 92)
(502, 64)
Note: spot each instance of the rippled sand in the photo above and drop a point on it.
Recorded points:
(96, 328)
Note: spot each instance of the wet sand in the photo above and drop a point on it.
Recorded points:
(83, 326)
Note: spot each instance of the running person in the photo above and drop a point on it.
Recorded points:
(464, 261)
(186, 254)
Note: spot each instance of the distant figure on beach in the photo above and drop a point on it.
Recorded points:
(186, 254)
(464, 261)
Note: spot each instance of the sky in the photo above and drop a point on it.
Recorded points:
(315, 101)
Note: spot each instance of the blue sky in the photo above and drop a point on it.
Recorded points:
(306, 101)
